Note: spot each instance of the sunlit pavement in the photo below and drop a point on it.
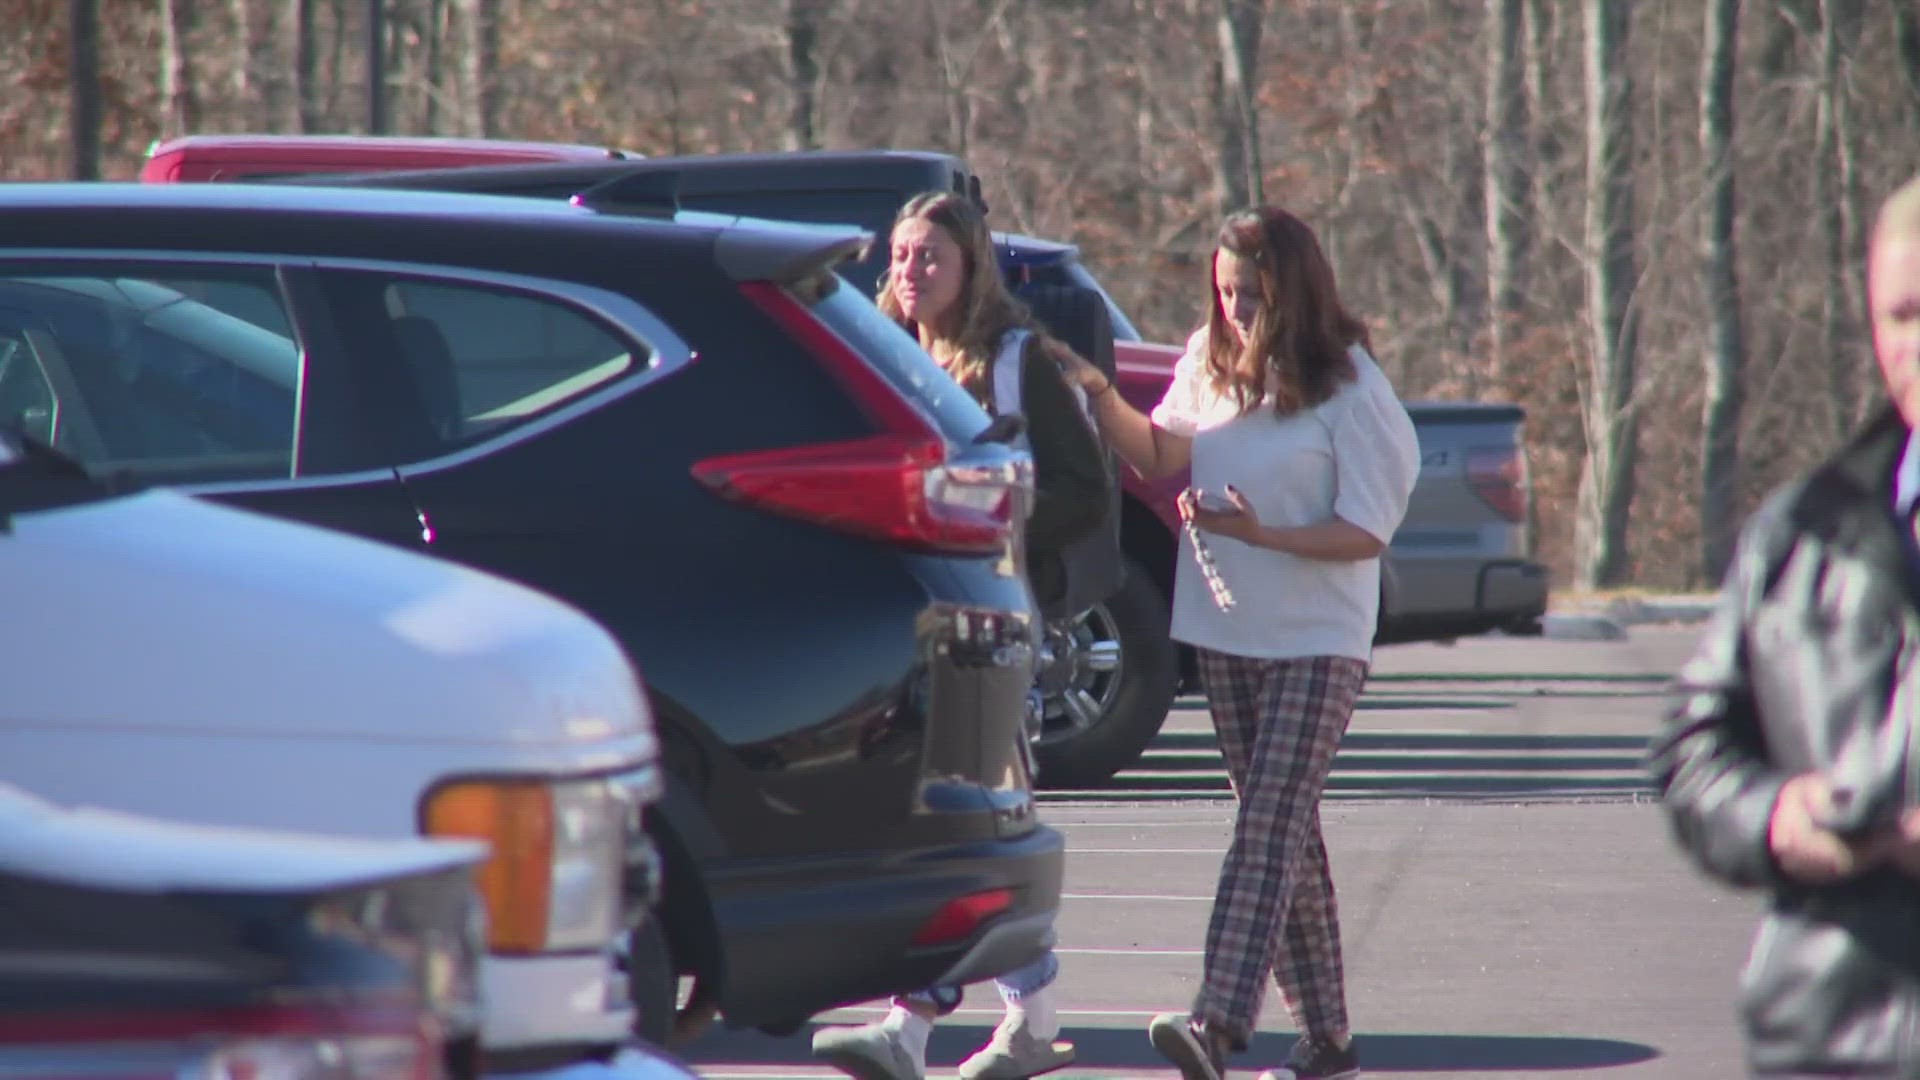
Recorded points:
(1512, 905)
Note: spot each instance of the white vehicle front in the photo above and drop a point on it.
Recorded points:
(171, 657)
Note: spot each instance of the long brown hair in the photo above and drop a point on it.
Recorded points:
(984, 311)
(1302, 333)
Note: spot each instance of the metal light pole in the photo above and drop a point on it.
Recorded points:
(376, 67)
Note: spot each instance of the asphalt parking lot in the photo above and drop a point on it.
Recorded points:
(1511, 904)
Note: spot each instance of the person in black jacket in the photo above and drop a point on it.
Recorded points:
(944, 283)
(1791, 763)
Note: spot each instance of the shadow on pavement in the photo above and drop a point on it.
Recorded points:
(1127, 1048)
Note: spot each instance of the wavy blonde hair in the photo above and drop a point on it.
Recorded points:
(984, 311)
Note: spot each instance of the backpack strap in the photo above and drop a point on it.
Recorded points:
(1007, 371)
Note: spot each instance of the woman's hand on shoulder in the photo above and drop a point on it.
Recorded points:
(1078, 371)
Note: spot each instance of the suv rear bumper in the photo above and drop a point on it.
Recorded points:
(1453, 596)
(849, 923)
(1513, 589)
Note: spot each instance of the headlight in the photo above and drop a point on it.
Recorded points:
(553, 881)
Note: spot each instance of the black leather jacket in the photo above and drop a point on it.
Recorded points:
(1072, 486)
(1808, 665)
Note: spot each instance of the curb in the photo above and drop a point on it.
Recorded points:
(1609, 622)
(1576, 626)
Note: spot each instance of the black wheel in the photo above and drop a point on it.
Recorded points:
(652, 983)
(1108, 684)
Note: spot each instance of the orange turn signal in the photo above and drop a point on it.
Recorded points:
(516, 818)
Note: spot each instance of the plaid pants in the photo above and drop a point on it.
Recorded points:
(1280, 723)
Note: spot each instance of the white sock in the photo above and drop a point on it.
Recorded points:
(1035, 1012)
(912, 1030)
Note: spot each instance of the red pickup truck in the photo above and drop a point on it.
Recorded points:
(1459, 564)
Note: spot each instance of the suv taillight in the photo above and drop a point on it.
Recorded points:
(1499, 477)
(897, 486)
(268, 1043)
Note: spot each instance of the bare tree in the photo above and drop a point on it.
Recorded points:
(179, 86)
(803, 73)
(337, 78)
(306, 64)
(84, 91)
(1545, 139)
(1239, 179)
(434, 83)
(1606, 484)
(956, 57)
(480, 61)
(240, 72)
(1836, 185)
(1726, 346)
(1507, 191)
(1906, 41)
(278, 106)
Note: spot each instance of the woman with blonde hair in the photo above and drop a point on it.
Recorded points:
(1303, 460)
(943, 284)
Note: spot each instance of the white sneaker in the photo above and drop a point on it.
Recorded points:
(875, 1051)
(1014, 1053)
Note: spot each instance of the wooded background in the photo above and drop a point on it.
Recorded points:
(1643, 220)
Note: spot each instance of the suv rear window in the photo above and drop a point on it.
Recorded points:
(894, 353)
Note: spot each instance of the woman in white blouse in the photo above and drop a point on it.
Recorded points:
(1302, 459)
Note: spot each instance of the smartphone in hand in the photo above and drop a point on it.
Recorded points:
(1212, 501)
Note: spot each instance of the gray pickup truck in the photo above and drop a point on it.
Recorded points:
(1459, 566)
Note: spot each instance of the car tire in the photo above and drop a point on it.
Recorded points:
(1149, 673)
(652, 984)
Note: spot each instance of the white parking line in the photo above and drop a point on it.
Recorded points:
(881, 1010)
(1129, 952)
(1136, 824)
(1128, 896)
(1145, 851)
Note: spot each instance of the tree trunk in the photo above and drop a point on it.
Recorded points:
(1726, 344)
(1834, 182)
(306, 66)
(1508, 238)
(436, 80)
(1239, 23)
(179, 94)
(1543, 135)
(376, 61)
(240, 78)
(481, 19)
(803, 74)
(1606, 484)
(1466, 224)
(83, 72)
(1906, 40)
(336, 79)
(277, 111)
